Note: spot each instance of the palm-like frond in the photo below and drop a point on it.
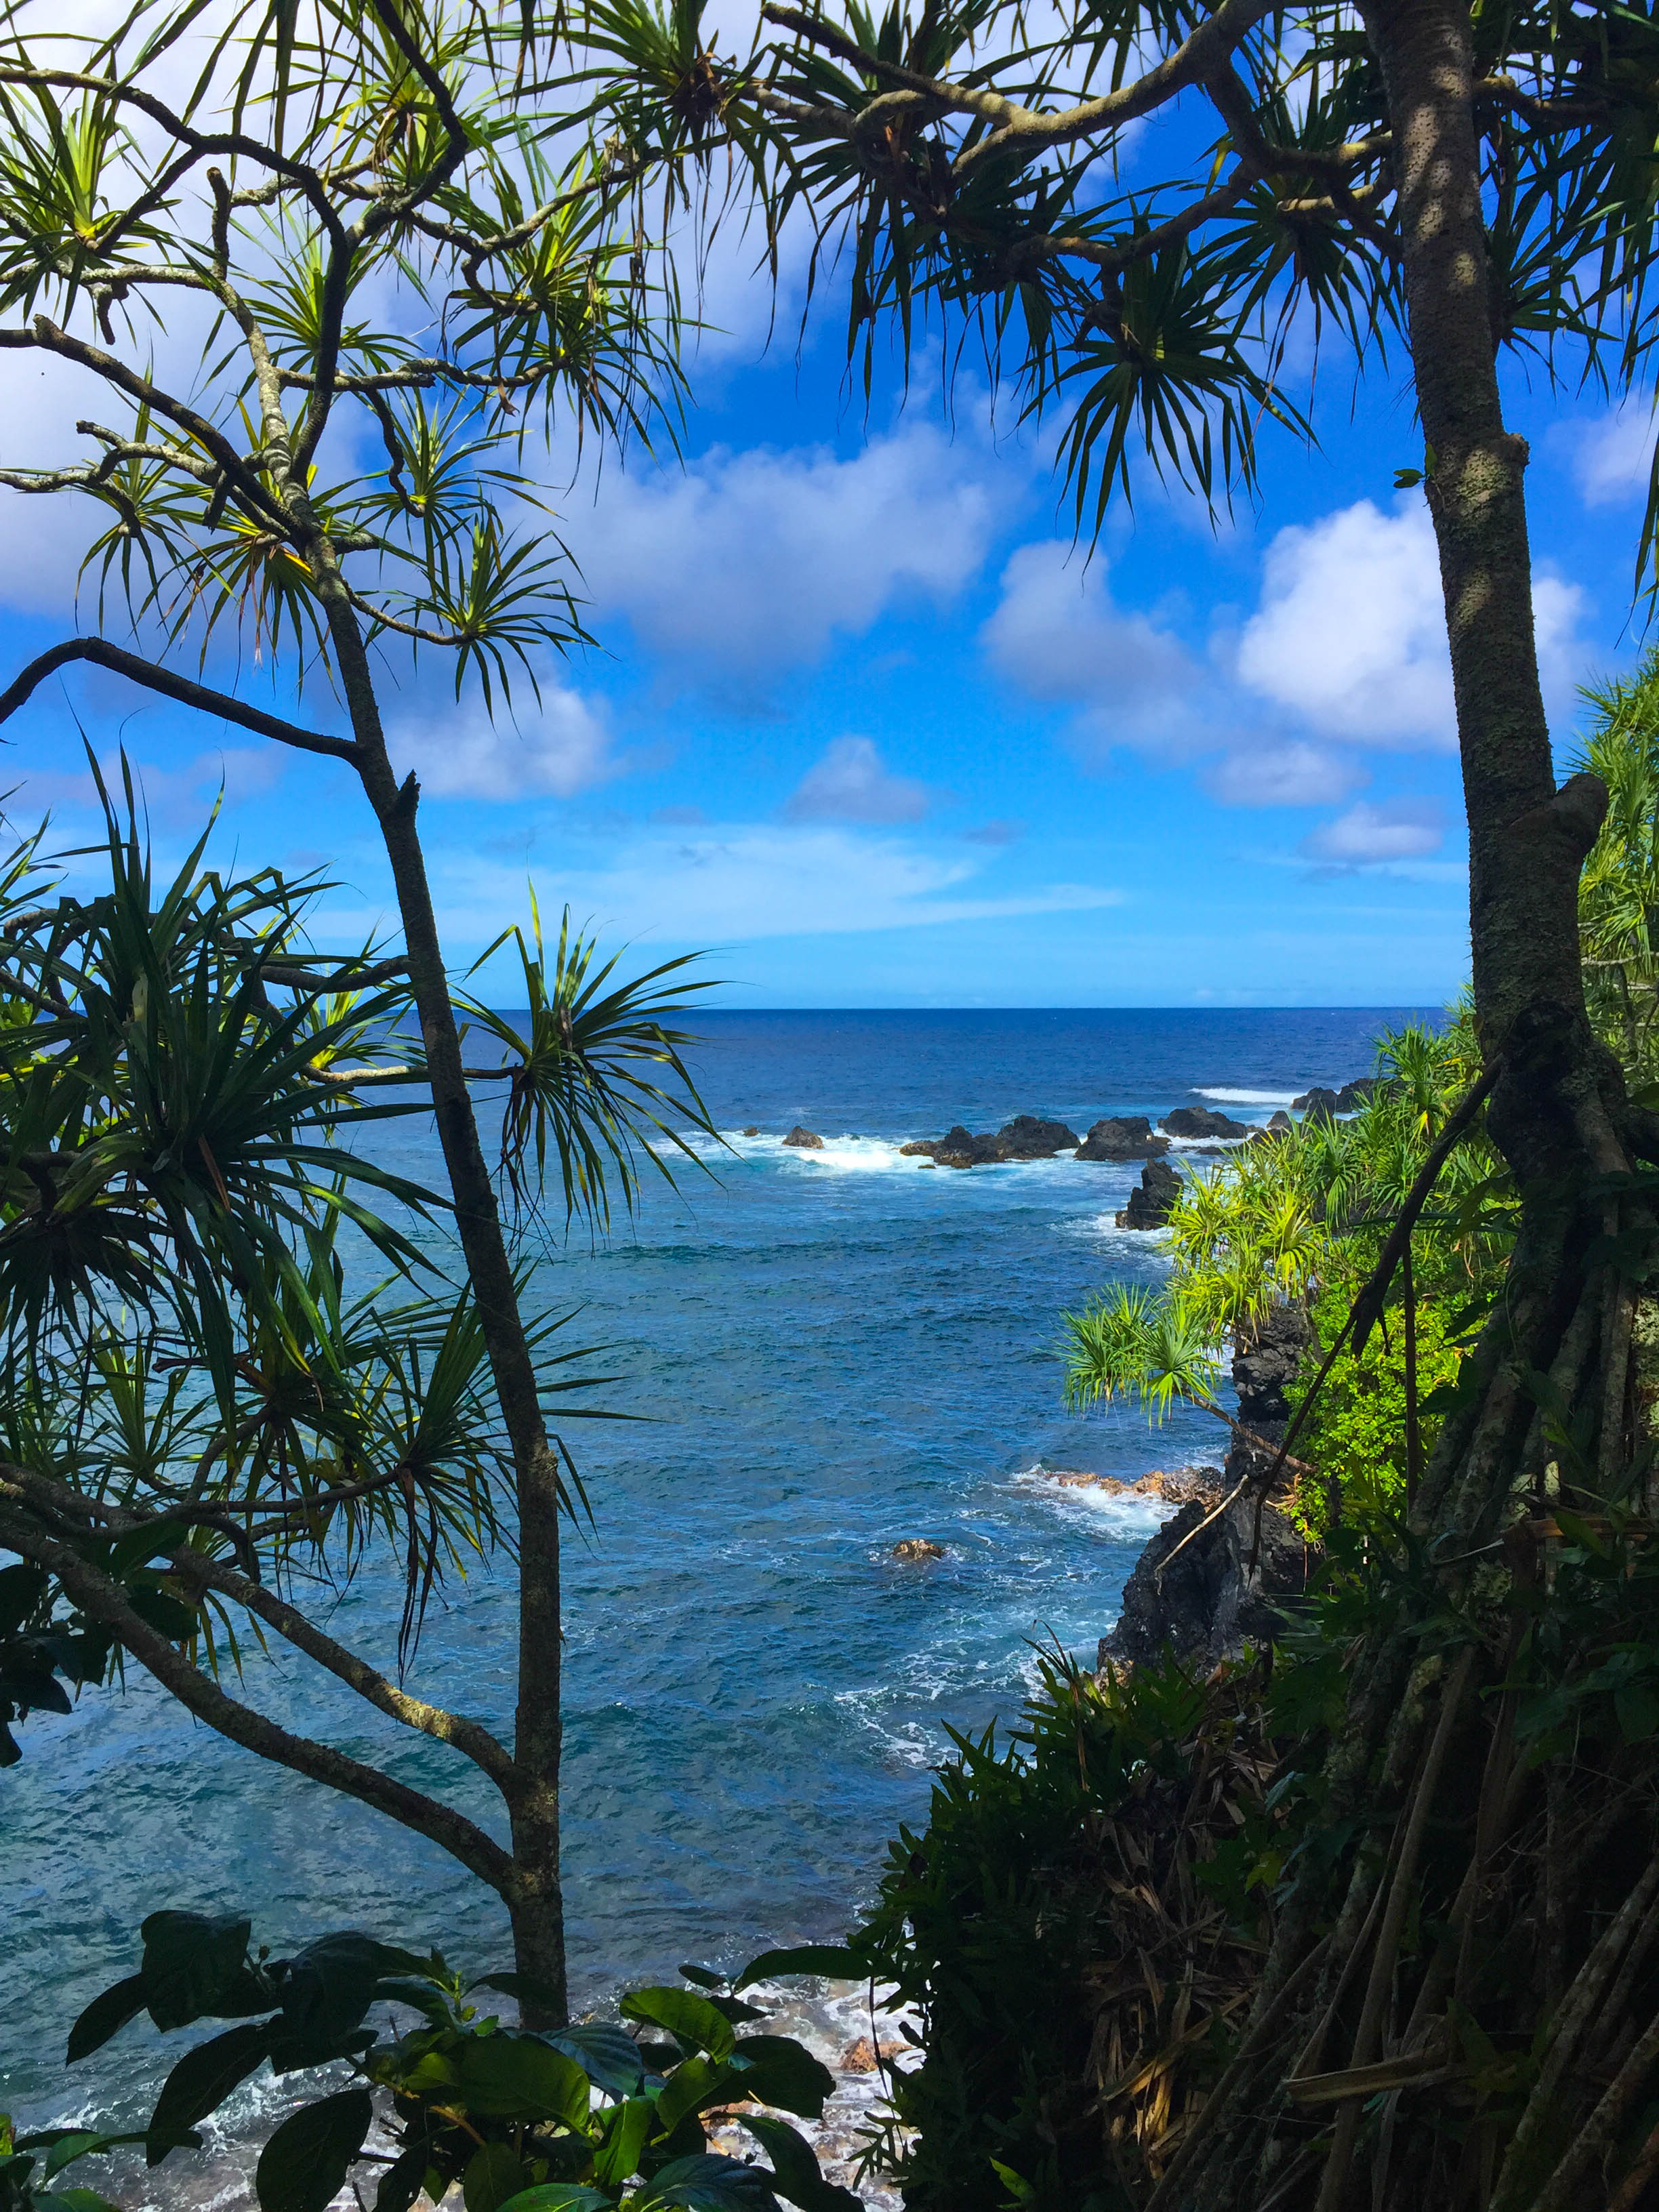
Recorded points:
(1132, 1343)
(595, 1076)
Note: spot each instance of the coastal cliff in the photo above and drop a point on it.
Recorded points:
(1204, 1599)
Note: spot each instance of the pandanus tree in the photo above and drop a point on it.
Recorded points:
(230, 222)
(1457, 187)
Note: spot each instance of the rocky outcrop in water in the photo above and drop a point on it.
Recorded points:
(918, 1548)
(1151, 1199)
(958, 1148)
(1028, 1137)
(808, 1140)
(1181, 1485)
(1122, 1137)
(1200, 1121)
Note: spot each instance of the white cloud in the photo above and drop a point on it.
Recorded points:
(852, 783)
(1611, 458)
(559, 746)
(735, 882)
(174, 798)
(750, 563)
(1057, 633)
(1350, 632)
(1294, 773)
(1397, 829)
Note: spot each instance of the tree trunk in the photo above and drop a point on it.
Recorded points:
(1558, 1114)
(536, 1902)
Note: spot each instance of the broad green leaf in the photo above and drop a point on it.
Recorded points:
(521, 2077)
(690, 2019)
(708, 2183)
(194, 1965)
(795, 2164)
(834, 1961)
(608, 2055)
(699, 2082)
(304, 2165)
(560, 2197)
(627, 2127)
(105, 2017)
(493, 2173)
(783, 2072)
(201, 2081)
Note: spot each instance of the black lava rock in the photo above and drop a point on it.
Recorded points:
(1122, 1137)
(1200, 1121)
(1151, 1197)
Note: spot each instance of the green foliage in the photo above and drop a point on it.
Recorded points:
(588, 2117)
(189, 1335)
(1033, 1922)
(1355, 1431)
(965, 169)
(586, 1069)
(1301, 1215)
(1128, 1342)
(1618, 890)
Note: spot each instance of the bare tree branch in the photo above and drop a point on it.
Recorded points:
(170, 686)
(103, 1599)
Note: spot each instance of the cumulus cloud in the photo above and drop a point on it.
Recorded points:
(559, 745)
(1295, 773)
(1350, 632)
(852, 783)
(1059, 635)
(750, 563)
(1611, 458)
(1397, 829)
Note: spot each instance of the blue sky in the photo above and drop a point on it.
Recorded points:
(863, 722)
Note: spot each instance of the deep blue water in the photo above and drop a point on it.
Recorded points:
(834, 1350)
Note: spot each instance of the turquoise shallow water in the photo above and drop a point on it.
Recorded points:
(834, 1350)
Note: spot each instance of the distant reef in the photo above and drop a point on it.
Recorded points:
(1115, 1140)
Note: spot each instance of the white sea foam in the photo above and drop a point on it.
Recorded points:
(1228, 1097)
(1103, 1229)
(1115, 1513)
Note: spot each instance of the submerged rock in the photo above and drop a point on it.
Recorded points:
(1179, 1485)
(1200, 1121)
(918, 1548)
(753, 1130)
(1122, 1137)
(1151, 1197)
(807, 1140)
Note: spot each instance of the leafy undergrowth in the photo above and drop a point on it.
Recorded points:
(1082, 1924)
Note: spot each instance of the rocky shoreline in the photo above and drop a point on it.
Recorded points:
(1205, 1586)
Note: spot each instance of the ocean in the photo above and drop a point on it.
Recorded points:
(828, 1352)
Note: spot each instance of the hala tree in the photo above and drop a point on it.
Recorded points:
(1458, 187)
(231, 222)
